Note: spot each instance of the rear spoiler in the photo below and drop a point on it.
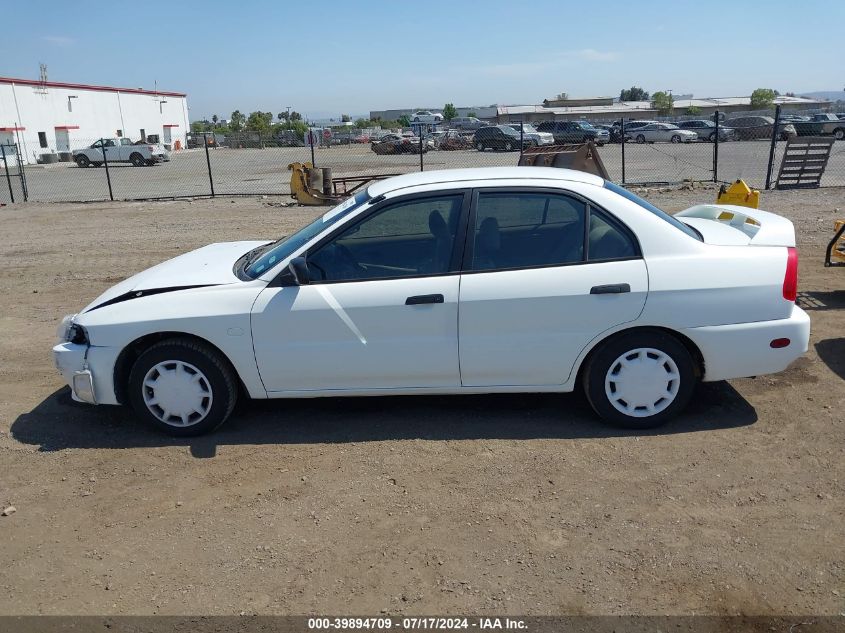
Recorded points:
(763, 228)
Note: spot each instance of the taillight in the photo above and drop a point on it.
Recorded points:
(790, 278)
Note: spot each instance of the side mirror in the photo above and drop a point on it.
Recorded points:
(299, 269)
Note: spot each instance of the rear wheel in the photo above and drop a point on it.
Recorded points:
(82, 161)
(137, 160)
(182, 387)
(712, 137)
(640, 380)
(640, 138)
(839, 133)
(508, 146)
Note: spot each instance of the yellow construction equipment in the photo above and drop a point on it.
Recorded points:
(316, 186)
(740, 194)
(583, 157)
(835, 254)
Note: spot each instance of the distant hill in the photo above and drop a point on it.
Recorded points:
(826, 95)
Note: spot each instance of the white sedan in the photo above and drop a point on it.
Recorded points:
(424, 116)
(662, 133)
(505, 279)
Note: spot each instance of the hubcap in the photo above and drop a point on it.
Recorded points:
(642, 382)
(177, 393)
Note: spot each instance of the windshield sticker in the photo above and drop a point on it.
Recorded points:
(343, 206)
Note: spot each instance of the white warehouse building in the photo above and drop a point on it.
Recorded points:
(46, 117)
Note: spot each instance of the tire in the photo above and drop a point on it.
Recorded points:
(640, 138)
(150, 163)
(839, 133)
(649, 403)
(137, 160)
(208, 400)
(508, 146)
(82, 161)
(416, 119)
(712, 137)
(479, 146)
(675, 138)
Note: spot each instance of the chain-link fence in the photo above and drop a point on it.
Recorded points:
(717, 148)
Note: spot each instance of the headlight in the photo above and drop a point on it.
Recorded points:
(70, 332)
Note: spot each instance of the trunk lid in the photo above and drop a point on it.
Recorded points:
(732, 225)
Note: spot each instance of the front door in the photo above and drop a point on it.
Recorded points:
(62, 141)
(381, 311)
(538, 286)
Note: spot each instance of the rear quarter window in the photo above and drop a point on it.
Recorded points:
(645, 204)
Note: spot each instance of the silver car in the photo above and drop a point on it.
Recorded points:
(662, 133)
(532, 137)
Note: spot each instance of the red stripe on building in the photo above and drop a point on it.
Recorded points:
(171, 125)
(12, 129)
(58, 84)
(66, 127)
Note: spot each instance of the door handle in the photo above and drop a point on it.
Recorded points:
(420, 299)
(610, 289)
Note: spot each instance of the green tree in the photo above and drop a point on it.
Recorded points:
(634, 93)
(762, 98)
(236, 121)
(345, 118)
(472, 114)
(362, 123)
(282, 116)
(214, 119)
(663, 103)
(295, 116)
(259, 121)
(197, 127)
(404, 121)
(693, 111)
(449, 111)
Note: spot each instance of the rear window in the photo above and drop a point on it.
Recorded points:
(652, 209)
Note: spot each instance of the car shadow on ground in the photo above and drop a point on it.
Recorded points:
(59, 423)
(832, 353)
(819, 300)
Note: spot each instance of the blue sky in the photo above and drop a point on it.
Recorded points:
(326, 58)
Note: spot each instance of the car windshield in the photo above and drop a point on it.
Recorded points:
(669, 126)
(645, 204)
(509, 130)
(587, 125)
(267, 256)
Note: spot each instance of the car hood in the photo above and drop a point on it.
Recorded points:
(210, 265)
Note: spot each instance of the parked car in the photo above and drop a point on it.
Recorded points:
(500, 137)
(821, 125)
(532, 136)
(452, 140)
(661, 133)
(575, 132)
(466, 123)
(612, 132)
(630, 126)
(706, 130)
(505, 279)
(424, 116)
(759, 127)
(398, 144)
(120, 150)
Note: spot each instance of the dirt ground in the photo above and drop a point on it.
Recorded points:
(497, 504)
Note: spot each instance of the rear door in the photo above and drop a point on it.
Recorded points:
(543, 274)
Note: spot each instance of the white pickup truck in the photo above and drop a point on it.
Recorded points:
(120, 150)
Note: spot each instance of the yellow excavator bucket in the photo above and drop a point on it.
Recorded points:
(740, 194)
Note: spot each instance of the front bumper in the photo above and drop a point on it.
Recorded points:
(88, 371)
(743, 349)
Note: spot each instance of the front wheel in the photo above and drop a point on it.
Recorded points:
(508, 146)
(137, 160)
(479, 147)
(676, 138)
(640, 380)
(640, 138)
(182, 387)
(712, 137)
(839, 133)
(82, 161)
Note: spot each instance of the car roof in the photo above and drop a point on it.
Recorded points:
(537, 174)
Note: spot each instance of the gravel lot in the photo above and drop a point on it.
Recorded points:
(254, 171)
(506, 504)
